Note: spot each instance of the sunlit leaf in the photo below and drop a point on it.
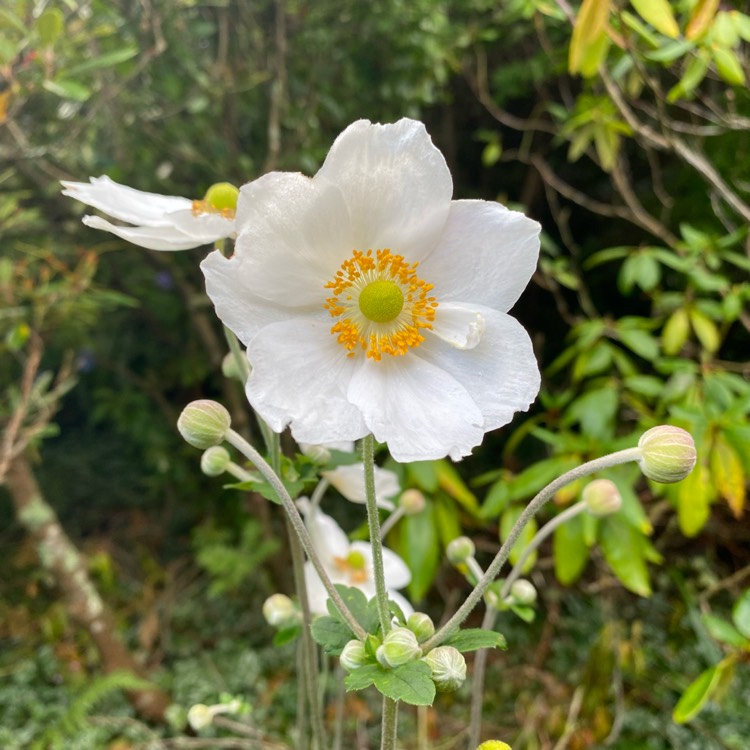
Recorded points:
(695, 494)
(705, 329)
(703, 13)
(570, 551)
(675, 332)
(729, 66)
(697, 695)
(624, 550)
(659, 14)
(693, 75)
(588, 43)
(723, 631)
(728, 474)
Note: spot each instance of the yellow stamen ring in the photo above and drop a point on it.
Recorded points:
(380, 304)
(220, 198)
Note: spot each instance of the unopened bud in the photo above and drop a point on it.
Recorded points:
(353, 655)
(204, 423)
(200, 716)
(399, 647)
(215, 460)
(421, 625)
(279, 611)
(460, 550)
(222, 197)
(523, 592)
(602, 497)
(667, 454)
(412, 501)
(494, 745)
(448, 668)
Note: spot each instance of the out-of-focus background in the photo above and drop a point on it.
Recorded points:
(624, 134)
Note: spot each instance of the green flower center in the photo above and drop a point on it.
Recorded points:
(222, 197)
(355, 560)
(381, 301)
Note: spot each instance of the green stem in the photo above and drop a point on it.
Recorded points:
(373, 522)
(391, 521)
(543, 533)
(477, 687)
(389, 725)
(247, 450)
(605, 462)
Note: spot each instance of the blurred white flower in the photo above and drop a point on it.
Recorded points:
(349, 563)
(370, 302)
(162, 222)
(350, 482)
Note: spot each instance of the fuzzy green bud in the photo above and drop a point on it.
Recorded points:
(353, 655)
(204, 423)
(602, 498)
(667, 454)
(399, 647)
(448, 668)
(279, 611)
(494, 745)
(412, 501)
(421, 625)
(460, 550)
(215, 460)
(523, 592)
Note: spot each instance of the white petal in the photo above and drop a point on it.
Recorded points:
(501, 373)
(402, 602)
(153, 238)
(327, 537)
(486, 255)
(395, 570)
(125, 203)
(396, 184)
(207, 227)
(350, 482)
(299, 378)
(420, 410)
(345, 446)
(243, 312)
(458, 324)
(293, 235)
(316, 591)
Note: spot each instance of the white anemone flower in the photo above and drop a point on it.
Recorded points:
(370, 302)
(163, 222)
(348, 563)
(350, 482)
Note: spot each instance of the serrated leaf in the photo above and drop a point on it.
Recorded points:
(331, 634)
(741, 614)
(472, 639)
(728, 474)
(659, 14)
(361, 678)
(411, 683)
(570, 551)
(723, 631)
(589, 34)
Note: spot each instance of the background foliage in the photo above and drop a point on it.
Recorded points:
(620, 126)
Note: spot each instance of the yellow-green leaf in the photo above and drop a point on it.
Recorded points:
(450, 482)
(703, 14)
(659, 14)
(728, 66)
(694, 496)
(49, 26)
(588, 32)
(728, 474)
(675, 332)
(706, 330)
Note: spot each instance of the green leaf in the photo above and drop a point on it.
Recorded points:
(697, 695)
(416, 541)
(66, 89)
(729, 66)
(640, 342)
(472, 639)
(695, 494)
(411, 683)
(570, 551)
(50, 25)
(363, 677)
(701, 17)
(286, 635)
(365, 613)
(723, 631)
(331, 634)
(446, 519)
(104, 61)
(728, 474)
(624, 550)
(694, 74)
(741, 614)
(659, 14)
(675, 332)
(424, 475)
(451, 483)
(670, 51)
(706, 330)
(589, 40)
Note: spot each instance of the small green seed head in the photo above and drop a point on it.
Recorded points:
(204, 423)
(222, 196)
(448, 668)
(602, 498)
(381, 301)
(399, 647)
(667, 454)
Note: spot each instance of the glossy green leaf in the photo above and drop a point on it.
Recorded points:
(624, 550)
(729, 66)
(659, 14)
(570, 550)
(741, 614)
(699, 692)
(589, 41)
(472, 639)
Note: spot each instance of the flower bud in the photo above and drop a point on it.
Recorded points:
(215, 460)
(602, 498)
(399, 647)
(494, 745)
(204, 423)
(523, 592)
(667, 454)
(200, 716)
(222, 197)
(460, 550)
(448, 668)
(421, 625)
(279, 611)
(412, 501)
(353, 655)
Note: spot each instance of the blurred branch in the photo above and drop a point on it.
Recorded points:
(278, 88)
